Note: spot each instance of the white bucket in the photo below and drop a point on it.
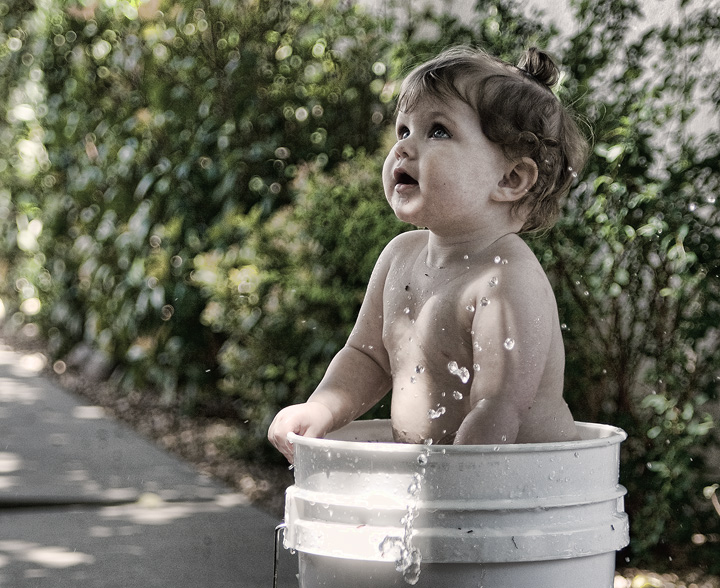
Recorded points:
(542, 515)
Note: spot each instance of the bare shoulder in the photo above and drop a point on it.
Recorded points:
(400, 248)
(514, 248)
(514, 275)
(407, 242)
(519, 264)
(405, 246)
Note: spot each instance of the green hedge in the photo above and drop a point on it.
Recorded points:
(196, 194)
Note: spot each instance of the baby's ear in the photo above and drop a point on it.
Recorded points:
(517, 181)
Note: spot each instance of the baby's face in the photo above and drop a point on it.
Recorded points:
(443, 172)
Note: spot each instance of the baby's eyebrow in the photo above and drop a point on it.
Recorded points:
(431, 116)
(437, 114)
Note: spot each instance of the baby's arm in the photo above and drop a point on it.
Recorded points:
(356, 379)
(513, 336)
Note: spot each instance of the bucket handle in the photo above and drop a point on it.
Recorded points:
(279, 530)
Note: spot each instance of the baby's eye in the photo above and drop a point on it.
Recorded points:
(439, 132)
(403, 133)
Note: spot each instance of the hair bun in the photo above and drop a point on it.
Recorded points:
(540, 66)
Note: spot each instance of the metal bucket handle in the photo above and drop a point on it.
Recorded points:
(279, 530)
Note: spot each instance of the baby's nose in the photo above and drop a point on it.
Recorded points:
(403, 149)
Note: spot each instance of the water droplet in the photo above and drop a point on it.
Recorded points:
(415, 485)
(457, 395)
(497, 259)
(419, 369)
(476, 367)
(493, 282)
(503, 438)
(692, 207)
(470, 307)
(509, 343)
(460, 372)
(436, 414)
(465, 257)
(391, 547)
(406, 310)
(476, 346)
(412, 379)
(484, 302)
(428, 441)
(504, 262)
(564, 327)
(422, 459)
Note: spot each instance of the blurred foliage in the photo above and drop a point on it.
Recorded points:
(192, 188)
(154, 142)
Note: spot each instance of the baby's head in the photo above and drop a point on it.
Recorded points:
(517, 111)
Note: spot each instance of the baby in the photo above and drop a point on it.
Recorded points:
(459, 319)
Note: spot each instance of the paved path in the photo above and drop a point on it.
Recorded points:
(86, 502)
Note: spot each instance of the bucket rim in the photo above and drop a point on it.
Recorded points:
(612, 435)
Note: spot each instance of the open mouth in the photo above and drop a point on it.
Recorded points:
(402, 177)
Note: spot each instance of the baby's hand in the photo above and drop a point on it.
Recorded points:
(310, 419)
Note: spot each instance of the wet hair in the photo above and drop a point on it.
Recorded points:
(518, 111)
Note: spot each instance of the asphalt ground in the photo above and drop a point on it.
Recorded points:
(86, 501)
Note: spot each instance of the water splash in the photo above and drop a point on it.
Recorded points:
(415, 485)
(400, 549)
(436, 413)
(460, 372)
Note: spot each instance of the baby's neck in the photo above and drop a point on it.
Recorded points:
(444, 252)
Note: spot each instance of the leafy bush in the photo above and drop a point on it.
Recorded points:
(161, 135)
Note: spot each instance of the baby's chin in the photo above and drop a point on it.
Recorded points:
(400, 205)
